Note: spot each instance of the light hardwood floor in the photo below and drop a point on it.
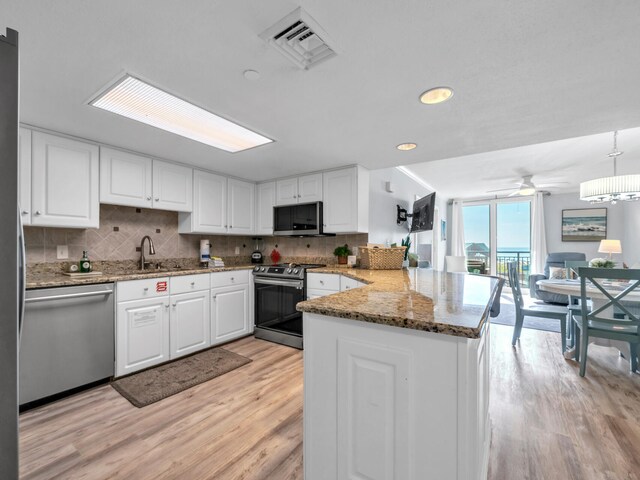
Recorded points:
(548, 423)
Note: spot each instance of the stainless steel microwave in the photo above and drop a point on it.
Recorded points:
(299, 220)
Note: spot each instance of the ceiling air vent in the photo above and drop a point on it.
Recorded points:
(299, 38)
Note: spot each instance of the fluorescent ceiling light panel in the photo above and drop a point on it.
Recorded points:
(135, 99)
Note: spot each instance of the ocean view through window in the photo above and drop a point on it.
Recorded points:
(496, 233)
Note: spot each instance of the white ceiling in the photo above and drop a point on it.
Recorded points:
(572, 161)
(523, 73)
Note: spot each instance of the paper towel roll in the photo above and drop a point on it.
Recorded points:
(205, 250)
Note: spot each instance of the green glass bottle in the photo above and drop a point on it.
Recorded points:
(85, 263)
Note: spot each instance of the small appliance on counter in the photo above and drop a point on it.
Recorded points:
(205, 252)
(256, 256)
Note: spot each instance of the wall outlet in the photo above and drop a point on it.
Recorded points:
(62, 252)
(237, 250)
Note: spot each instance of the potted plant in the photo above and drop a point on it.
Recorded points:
(602, 263)
(342, 252)
(406, 242)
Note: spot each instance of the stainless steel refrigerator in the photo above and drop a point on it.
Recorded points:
(11, 256)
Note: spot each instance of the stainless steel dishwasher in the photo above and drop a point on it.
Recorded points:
(67, 339)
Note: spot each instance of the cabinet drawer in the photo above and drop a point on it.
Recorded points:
(347, 283)
(145, 288)
(189, 283)
(311, 293)
(323, 281)
(224, 279)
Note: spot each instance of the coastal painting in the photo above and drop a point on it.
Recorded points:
(584, 225)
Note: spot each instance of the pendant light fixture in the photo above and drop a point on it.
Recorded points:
(611, 189)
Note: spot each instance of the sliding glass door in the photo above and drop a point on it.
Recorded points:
(477, 235)
(497, 232)
(513, 238)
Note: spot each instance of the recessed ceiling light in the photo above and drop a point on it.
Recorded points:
(406, 146)
(135, 99)
(436, 95)
(251, 75)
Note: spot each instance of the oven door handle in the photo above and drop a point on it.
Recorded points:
(298, 284)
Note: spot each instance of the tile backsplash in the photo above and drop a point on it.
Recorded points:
(122, 228)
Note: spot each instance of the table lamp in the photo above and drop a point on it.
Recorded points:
(610, 246)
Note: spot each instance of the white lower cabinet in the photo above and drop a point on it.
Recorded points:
(321, 284)
(158, 319)
(142, 332)
(229, 313)
(189, 323)
(365, 388)
(348, 283)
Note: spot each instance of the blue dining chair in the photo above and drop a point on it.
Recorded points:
(600, 322)
(542, 311)
(572, 270)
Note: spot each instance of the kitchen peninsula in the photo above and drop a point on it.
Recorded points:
(396, 376)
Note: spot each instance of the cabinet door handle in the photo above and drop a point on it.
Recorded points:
(232, 279)
(321, 282)
(174, 305)
(25, 212)
(299, 196)
(166, 306)
(157, 199)
(148, 198)
(193, 283)
(38, 212)
(225, 226)
(230, 226)
(146, 289)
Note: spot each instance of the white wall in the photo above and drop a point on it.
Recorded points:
(619, 227)
(631, 240)
(383, 211)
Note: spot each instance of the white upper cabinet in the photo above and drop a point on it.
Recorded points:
(137, 181)
(172, 187)
(64, 182)
(209, 205)
(265, 200)
(310, 188)
(241, 206)
(346, 204)
(24, 175)
(287, 191)
(221, 205)
(303, 189)
(125, 179)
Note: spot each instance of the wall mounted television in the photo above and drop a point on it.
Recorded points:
(423, 210)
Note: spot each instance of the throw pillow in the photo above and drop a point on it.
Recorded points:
(557, 273)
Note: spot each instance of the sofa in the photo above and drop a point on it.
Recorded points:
(553, 260)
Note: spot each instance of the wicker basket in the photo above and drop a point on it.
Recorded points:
(375, 258)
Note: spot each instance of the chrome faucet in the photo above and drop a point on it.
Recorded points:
(152, 251)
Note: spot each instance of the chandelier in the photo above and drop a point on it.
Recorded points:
(612, 189)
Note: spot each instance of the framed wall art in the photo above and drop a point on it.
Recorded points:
(584, 225)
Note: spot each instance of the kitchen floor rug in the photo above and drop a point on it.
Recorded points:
(154, 384)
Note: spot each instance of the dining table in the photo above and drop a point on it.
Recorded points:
(571, 287)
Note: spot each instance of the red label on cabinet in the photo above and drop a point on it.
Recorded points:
(161, 286)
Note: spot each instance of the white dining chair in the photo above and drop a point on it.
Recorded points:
(455, 264)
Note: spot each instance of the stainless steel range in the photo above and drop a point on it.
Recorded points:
(278, 289)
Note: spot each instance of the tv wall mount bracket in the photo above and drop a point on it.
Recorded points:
(402, 215)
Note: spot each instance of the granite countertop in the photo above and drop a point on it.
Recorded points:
(420, 299)
(57, 279)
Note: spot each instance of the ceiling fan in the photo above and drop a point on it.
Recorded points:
(526, 187)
